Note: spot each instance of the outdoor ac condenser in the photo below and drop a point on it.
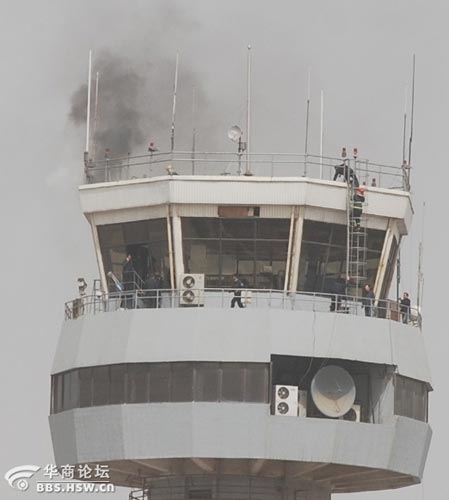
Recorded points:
(286, 400)
(191, 290)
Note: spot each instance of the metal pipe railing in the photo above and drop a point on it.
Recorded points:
(220, 298)
(223, 163)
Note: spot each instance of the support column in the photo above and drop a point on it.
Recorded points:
(296, 251)
(177, 245)
(391, 233)
(99, 256)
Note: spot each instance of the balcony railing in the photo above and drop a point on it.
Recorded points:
(259, 165)
(222, 298)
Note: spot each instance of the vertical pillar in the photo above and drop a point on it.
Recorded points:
(177, 245)
(386, 250)
(99, 256)
(296, 250)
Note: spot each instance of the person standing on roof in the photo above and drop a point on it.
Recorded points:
(238, 285)
(347, 172)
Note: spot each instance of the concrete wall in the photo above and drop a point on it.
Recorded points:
(247, 335)
(202, 190)
(234, 430)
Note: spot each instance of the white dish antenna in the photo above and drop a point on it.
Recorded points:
(235, 133)
(333, 391)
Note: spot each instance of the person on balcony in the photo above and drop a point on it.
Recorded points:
(238, 285)
(128, 281)
(368, 300)
(405, 307)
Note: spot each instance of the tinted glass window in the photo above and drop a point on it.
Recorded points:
(159, 382)
(137, 387)
(207, 382)
(118, 381)
(100, 385)
(256, 383)
(182, 382)
(253, 248)
(232, 382)
(85, 381)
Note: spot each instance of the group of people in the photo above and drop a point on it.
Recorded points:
(131, 281)
(368, 300)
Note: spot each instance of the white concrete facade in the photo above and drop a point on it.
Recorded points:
(203, 334)
(238, 431)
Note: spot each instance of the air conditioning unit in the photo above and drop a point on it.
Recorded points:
(353, 415)
(286, 400)
(302, 403)
(191, 288)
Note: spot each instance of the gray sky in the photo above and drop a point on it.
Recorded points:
(359, 54)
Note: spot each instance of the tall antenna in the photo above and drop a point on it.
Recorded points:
(404, 140)
(420, 284)
(175, 90)
(193, 127)
(94, 144)
(321, 132)
(248, 112)
(306, 144)
(89, 83)
(412, 114)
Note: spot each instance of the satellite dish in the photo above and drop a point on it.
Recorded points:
(235, 133)
(333, 391)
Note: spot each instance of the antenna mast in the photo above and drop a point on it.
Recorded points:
(248, 112)
(193, 128)
(412, 114)
(306, 144)
(321, 133)
(175, 90)
(404, 140)
(94, 145)
(420, 285)
(89, 83)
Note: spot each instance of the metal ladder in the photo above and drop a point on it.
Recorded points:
(356, 270)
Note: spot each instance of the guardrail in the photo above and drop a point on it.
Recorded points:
(256, 164)
(220, 298)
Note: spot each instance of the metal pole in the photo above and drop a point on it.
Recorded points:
(321, 134)
(404, 125)
(89, 83)
(94, 145)
(248, 112)
(175, 89)
(306, 144)
(193, 128)
(412, 116)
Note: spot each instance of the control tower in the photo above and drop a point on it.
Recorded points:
(313, 383)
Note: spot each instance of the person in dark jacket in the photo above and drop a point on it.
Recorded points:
(368, 300)
(345, 171)
(151, 286)
(238, 285)
(405, 307)
(357, 206)
(338, 290)
(128, 273)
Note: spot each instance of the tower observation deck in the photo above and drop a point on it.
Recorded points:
(310, 388)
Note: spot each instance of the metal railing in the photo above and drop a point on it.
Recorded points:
(221, 298)
(259, 164)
